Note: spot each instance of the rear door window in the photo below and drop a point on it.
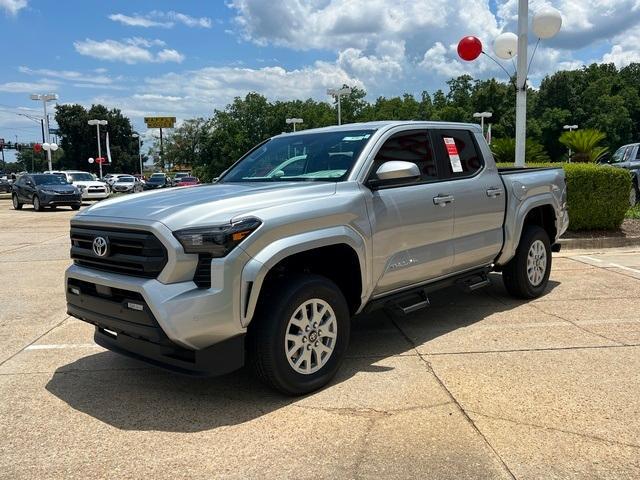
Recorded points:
(458, 153)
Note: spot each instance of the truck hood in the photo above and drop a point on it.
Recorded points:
(185, 207)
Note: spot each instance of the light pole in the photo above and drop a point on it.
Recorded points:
(44, 98)
(97, 123)
(293, 121)
(337, 93)
(482, 116)
(135, 135)
(571, 128)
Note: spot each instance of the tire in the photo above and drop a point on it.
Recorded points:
(16, 203)
(37, 206)
(75, 207)
(634, 196)
(280, 315)
(526, 277)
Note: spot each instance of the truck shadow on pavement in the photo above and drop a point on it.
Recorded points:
(129, 395)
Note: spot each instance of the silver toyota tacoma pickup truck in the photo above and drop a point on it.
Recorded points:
(308, 229)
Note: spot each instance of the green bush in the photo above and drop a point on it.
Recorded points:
(504, 150)
(597, 196)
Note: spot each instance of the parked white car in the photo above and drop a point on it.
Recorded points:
(114, 177)
(127, 184)
(91, 189)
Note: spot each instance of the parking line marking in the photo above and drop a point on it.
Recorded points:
(62, 346)
(606, 264)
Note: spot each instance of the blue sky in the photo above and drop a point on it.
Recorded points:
(186, 58)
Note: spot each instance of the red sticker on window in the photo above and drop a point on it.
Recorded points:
(451, 146)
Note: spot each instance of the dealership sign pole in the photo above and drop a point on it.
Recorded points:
(160, 122)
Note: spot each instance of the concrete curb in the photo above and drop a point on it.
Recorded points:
(596, 243)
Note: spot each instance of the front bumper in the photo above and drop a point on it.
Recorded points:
(94, 195)
(125, 324)
(62, 200)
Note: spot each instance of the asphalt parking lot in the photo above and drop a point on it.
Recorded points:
(476, 386)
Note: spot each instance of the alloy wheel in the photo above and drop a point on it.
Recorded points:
(310, 336)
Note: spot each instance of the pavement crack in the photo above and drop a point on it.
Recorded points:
(578, 326)
(518, 350)
(369, 412)
(453, 398)
(555, 429)
(34, 340)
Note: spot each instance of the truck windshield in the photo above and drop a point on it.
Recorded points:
(326, 156)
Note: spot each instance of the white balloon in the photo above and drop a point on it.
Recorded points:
(46, 145)
(53, 147)
(91, 160)
(506, 45)
(547, 22)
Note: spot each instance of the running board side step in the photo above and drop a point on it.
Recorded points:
(474, 282)
(417, 298)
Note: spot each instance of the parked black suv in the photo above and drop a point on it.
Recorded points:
(45, 190)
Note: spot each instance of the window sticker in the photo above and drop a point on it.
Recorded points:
(452, 151)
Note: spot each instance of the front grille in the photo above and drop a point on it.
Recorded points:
(131, 252)
(202, 277)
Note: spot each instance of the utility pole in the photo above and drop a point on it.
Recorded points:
(44, 98)
(97, 123)
(337, 93)
(571, 128)
(521, 82)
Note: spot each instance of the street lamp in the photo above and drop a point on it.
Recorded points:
(97, 123)
(135, 135)
(337, 93)
(482, 116)
(571, 128)
(44, 98)
(293, 121)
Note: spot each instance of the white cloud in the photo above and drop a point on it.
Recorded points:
(12, 7)
(625, 49)
(27, 87)
(197, 92)
(158, 18)
(138, 21)
(131, 51)
(98, 78)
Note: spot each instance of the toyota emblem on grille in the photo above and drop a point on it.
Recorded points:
(100, 246)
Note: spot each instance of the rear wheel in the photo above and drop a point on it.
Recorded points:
(75, 207)
(37, 206)
(300, 334)
(634, 197)
(527, 274)
(16, 203)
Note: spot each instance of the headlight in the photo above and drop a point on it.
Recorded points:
(217, 240)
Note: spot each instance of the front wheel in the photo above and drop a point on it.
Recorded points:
(527, 274)
(16, 203)
(37, 206)
(634, 196)
(75, 207)
(300, 334)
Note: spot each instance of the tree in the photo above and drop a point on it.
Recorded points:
(504, 151)
(585, 145)
(79, 141)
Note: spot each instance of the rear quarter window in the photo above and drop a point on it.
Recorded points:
(458, 152)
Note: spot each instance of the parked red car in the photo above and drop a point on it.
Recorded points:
(188, 182)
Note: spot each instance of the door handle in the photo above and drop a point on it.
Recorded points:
(494, 192)
(443, 200)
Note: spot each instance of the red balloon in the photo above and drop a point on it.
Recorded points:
(469, 48)
(37, 148)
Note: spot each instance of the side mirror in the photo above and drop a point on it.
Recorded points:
(395, 172)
